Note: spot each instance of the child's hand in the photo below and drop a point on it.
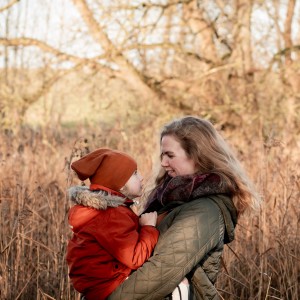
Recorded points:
(148, 219)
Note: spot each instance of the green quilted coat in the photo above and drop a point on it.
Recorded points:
(191, 242)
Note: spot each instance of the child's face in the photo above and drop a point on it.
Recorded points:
(134, 186)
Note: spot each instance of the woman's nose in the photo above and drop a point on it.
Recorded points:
(164, 162)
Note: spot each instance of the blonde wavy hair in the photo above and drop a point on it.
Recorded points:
(212, 154)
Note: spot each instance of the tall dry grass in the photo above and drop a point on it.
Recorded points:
(33, 212)
(263, 262)
(34, 177)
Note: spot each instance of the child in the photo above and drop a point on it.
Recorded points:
(109, 239)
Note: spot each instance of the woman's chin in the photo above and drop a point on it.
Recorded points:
(171, 173)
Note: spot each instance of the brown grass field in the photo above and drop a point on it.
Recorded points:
(262, 263)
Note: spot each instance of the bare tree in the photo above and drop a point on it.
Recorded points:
(181, 53)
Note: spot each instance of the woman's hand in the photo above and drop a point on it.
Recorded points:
(148, 219)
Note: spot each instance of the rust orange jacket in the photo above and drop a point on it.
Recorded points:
(107, 244)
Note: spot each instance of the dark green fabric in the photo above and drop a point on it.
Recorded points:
(229, 213)
(190, 244)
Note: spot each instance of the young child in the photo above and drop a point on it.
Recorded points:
(109, 239)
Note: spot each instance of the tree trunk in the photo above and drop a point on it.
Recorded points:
(242, 53)
(288, 31)
(127, 71)
(204, 33)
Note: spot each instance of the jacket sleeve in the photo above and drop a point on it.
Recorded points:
(188, 233)
(124, 240)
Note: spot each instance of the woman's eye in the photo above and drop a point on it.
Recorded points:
(166, 154)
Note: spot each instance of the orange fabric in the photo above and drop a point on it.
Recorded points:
(79, 215)
(97, 187)
(105, 249)
(106, 167)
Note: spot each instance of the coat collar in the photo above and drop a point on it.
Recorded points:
(99, 199)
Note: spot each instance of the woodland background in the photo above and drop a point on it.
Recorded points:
(80, 74)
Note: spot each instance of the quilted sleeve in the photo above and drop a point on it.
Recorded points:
(187, 234)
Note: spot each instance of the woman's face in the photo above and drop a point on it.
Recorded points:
(174, 159)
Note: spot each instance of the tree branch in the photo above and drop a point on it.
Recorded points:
(285, 51)
(150, 5)
(49, 83)
(127, 71)
(28, 42)
(42, 45)
(8, 5)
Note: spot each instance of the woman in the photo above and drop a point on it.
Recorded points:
(199, 196)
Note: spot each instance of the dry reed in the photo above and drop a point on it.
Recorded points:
(263, 262)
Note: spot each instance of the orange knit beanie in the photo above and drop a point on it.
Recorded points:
(105, 167)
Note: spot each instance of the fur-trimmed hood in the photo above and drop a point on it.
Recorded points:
(88, 205)
(82, 195)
